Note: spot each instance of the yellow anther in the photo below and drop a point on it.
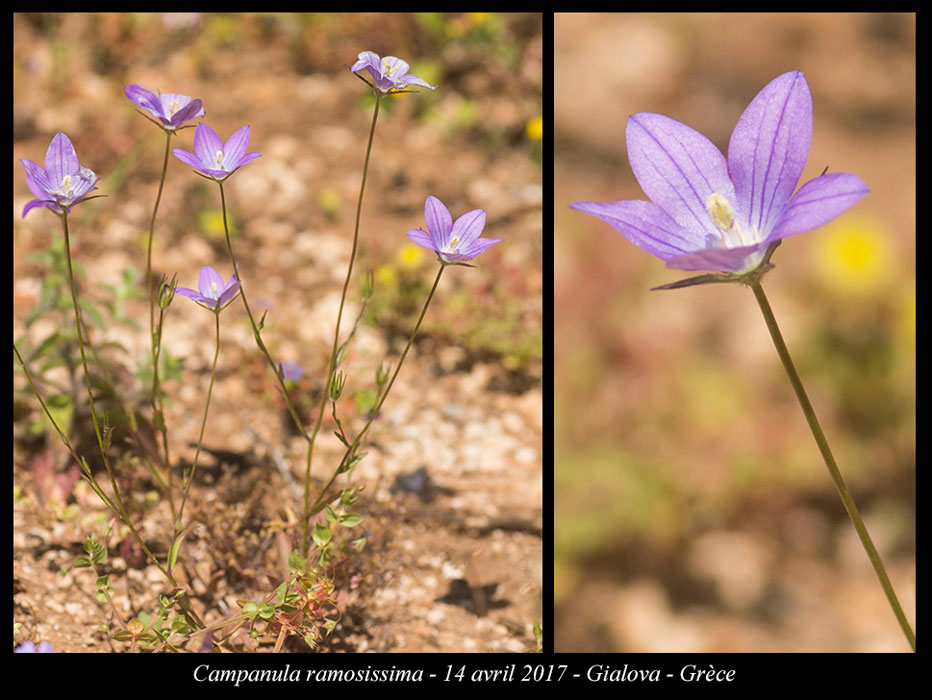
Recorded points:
(455, 241)
(720, 211)
(213, 290)
(66, 183)
(220, 158)
(173, 107)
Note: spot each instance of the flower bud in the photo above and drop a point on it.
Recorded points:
(381, 374)
(368, 287)
(336, 386)
(166, 292)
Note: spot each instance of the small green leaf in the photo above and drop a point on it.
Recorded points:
(321, 534)
(82, 562)
(350, 520)
(341, 438)
(266, 611)
(297, 562)
(176, 548)
(331, 516)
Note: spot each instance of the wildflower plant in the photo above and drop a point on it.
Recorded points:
(302, 604)
(728, 216)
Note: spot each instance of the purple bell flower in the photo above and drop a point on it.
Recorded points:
(214, 158)
(171, 109)
(390, 74)
(454, 242)
(62, 182)
(212, 290)
(707, 213)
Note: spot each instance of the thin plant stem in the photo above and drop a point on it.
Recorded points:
(322, 499)
(155, 338)
(331, 365)
(819, 436)
(189, 478)
(61, 435)
(255, 328)
(90, 395)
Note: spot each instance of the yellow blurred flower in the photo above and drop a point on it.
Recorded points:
(385, 276)
(854, 255)
(410, 256)
(535, 128)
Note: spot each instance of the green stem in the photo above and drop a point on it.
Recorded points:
(819, 436)
(189, 478)
(255, 328)
(90, 395)
(322, 499)
(331, 366)
(155, 338)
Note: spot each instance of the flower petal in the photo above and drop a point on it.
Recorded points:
(235, 147)
(720, 259)
(230, 291)
(39, 203)
(768, 149)
(207, 277)
(206, 145)
(393, 67)
(370, 60)
(678, 168)
(468, 227)
(439, 221)
(187, 157)
(37, 179)
(193, 109)
(477, 247)
(819, 201)
(145, 98)
(646, 225)
(422, 238)
(414, 80)
(61, 159)
(248, 158)
(186, 292)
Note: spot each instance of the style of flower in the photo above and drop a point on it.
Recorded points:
(213, 157)
(709, 214)
(171, 109)
(212, 291)
(291, 370)
(454, 242)
(390, 74)
(62, 182)
(30, 648)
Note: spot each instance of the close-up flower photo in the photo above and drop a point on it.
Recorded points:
(734, 344)
(278, 336)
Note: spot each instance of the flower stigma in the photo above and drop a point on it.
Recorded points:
(213, 290)
(173, 107)
(220, 159)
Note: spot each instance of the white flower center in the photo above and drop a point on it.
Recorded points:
(388, 69)
(213, 290)
(66, 184)
(451, 246)
(723, 216)
(219, 159)
(173, 107)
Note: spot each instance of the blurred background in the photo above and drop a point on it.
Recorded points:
(693, 511)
